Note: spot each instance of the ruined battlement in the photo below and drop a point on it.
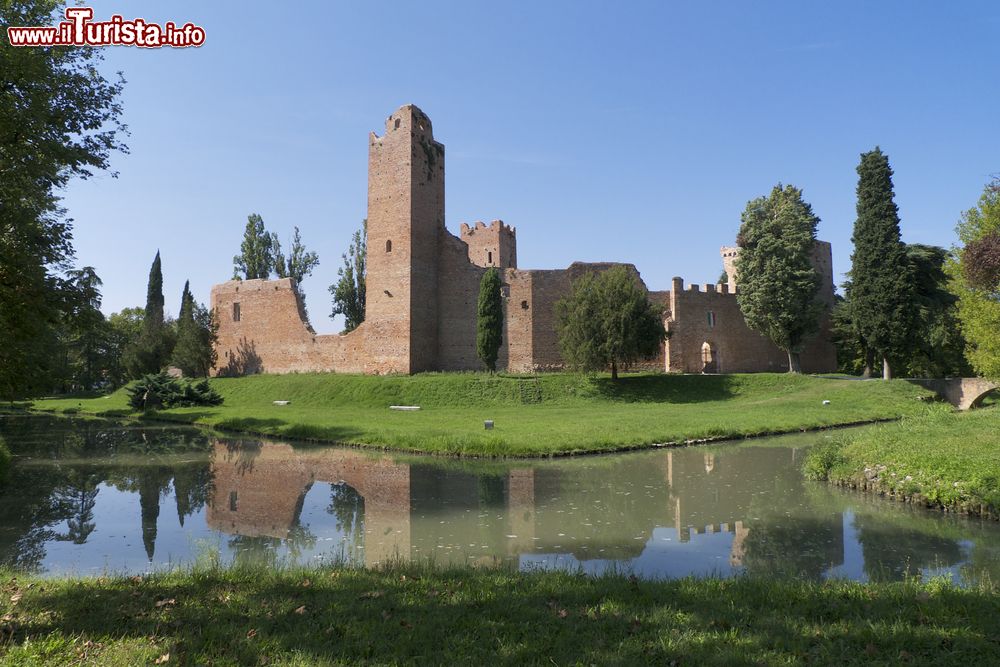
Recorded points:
(490, 245)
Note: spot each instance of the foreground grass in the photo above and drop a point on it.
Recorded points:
(4, 461)
(550, 414)
(940, 458)
(430, 616)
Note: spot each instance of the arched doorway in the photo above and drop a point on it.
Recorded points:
(709, 358)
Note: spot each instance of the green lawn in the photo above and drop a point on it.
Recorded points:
(940, 458)
(434, 616)
(550, 414)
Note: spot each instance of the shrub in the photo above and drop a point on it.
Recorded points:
(159, 390)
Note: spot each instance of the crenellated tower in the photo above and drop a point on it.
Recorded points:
(405, 221)
(491, 245)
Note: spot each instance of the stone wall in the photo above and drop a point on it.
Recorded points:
(263, 329)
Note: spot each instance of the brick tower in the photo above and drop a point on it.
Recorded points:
(405, 221)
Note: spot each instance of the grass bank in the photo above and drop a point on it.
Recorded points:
(534, 416)
(939, 459)
(410, 614)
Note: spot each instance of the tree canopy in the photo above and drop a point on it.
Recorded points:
(778, 284)
(881, 287)
(259, 251)
(608, 321)
(151, 351)
(489, 319)
(60, 119)
(349, 290)
(977, 284)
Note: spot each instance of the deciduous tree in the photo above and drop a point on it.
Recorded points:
(258, 254)
(778, 285)
(60, 119)
(608, 321)
(349, 290)
(978, 287)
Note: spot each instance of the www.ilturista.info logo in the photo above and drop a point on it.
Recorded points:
(79, 30)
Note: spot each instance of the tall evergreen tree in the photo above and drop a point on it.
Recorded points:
(881, 288)
(194, 354)
(151, 352)
(778, 285)
(349, 290)
(489, 320)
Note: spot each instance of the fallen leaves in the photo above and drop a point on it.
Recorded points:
(251, 633)
(371, 595)
(301, 610)
(169, 602)
(162, 660)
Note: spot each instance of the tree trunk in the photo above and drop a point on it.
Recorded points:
(794, 363)
(614, 371)
(869, 364)
(886, 370)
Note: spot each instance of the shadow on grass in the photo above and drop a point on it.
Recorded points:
(477, 616)
(665, 388)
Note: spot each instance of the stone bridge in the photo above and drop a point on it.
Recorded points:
(963, 393)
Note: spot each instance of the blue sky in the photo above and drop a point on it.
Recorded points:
(602, 131)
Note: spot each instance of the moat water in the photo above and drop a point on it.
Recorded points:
(89, 497)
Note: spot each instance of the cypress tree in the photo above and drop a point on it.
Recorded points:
(194, 352)
(489, 321)
(150, 353)
(881, 289)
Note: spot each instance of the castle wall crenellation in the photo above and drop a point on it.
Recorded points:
(423, 288)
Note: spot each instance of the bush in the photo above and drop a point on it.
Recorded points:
(823, 458)
(159, 390)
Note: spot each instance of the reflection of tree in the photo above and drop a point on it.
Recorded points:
(70, 459)
(892, 551)
(798, 546)
(192, 489)
(348, 508)
(79, 496)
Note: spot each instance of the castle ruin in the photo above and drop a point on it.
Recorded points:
(422, 288)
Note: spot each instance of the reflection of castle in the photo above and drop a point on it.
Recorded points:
(426, 510)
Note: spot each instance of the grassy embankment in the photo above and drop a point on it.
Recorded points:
(939, 459)
(407, 614)
(550, 414)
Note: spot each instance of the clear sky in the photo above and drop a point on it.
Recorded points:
(615, 131)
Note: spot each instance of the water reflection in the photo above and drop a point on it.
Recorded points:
(88, 496)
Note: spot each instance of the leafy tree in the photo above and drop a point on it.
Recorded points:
(881, 290)
(84, 333)
(298, 265)
(778, 283)
(150, 353)
(978, 290)
(349, 290)
(258, 254)
(59, 120)
(608, 320)
(489, 320)
(194, 354)
(124, 329)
